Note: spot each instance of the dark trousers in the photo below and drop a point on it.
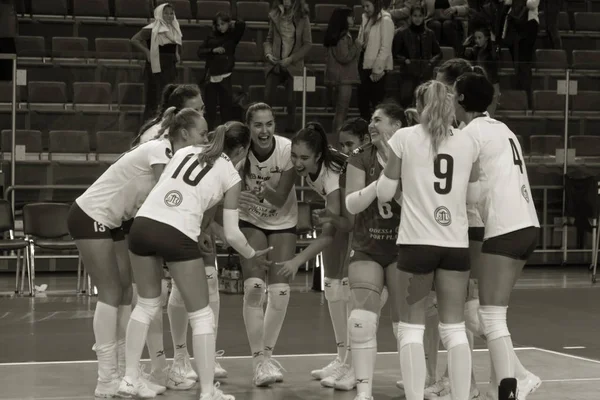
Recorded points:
(220, 93)
(552, 9)
(370, 93)
(155, 83)
(283, 78)
(447, 33)
(522, 50)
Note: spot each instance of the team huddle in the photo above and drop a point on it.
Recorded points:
(430, 207)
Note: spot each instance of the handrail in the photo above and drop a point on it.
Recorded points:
(14, 188)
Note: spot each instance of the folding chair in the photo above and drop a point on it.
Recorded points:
(45, 227)
(7, 224)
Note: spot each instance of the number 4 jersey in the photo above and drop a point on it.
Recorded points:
(375, 228)
(434, 187)
(506, 204)
(187, 188)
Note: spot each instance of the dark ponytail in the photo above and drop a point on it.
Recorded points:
(316, 139)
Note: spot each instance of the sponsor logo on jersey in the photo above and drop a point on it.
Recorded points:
(276, 170)
(261, 167)
(442, 216)
(173, 198)
(525, 193)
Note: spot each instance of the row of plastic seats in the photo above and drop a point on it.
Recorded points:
(107, 142)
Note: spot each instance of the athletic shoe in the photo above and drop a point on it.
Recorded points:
(274, 368)
(329, 381)
(131, 388)
(528, 385)
(106, 390)
(216, 394)
(347, 381)
(262, 377)
(440, 388)
(327, 370)
(220, 372)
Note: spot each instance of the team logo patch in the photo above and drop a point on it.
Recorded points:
(525, 193)
(442, 216)
(173, 198)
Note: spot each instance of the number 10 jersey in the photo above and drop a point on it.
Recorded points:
(376, 228)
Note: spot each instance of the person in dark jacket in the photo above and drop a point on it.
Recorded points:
(485, 54)
(219, 52)
(417, 52)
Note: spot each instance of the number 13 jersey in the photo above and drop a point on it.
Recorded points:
(434, 187)
(375, 228)
(506, 204)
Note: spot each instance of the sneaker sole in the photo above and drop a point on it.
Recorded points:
(220, 376)
(125, 395)
(180, 387)
(534, 388)
(344, 388)
(265, 383)
(326, 384)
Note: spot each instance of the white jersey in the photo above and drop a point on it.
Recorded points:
(434, 188)
(264, 215)
(506, 204)
(328, 181)
(187, 188)
(473, 215)
(152, 133)
(122, 188)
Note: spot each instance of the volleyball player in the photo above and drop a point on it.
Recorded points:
(167, 227)
(436, 165)
(96, 218)
(268, 216)
(372, 258)
(511, 228)
(322, 166)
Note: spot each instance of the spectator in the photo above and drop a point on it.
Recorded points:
(400, 12)
(375, 38)
(219, 52)
(443, 19)
(9, 27)
(341, 70)
(417, 52)
(288, 42)
(161, 42)
(552, 10)
(484, 53)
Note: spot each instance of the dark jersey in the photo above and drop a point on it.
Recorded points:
(376, 228)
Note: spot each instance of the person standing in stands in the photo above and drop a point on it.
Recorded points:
(288, 42)
(442, 19)
(552, 10)
(160, 41)
(219, 52)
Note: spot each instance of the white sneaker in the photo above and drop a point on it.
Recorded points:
(474, 394)
(363, 396)
(347, 381)
(327, 370)
(217, 394)
(440, 388)
(185, 367)
(177, 377)
(130, 388)
(220, 372)
(400, 385)
(528, 385)
(153, 380)
(106, 390)
(262, 377)
(274, 368)
(337, 373)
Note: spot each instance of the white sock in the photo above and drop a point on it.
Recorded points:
(412, 359)
(278, 300)
(123, 314)
(431, 339)
(214, 299)
(203, 340)
(105, 333)
(137, 330)
(254, 317)
(155, 343)
(363, 329)
(339, 320)
(178, 321)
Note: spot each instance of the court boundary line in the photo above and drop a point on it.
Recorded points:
(558, 353)
(382, 353)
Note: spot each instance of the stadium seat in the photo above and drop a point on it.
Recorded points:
(113, 49)
(586, 101)
(189, 52)
(317, 54)
(32, 140)
(92, 93)
(8, 242)
(6, 92)
(31, 46)
(133, 9)
(131, 94)
(247, 52)
(587, 21)
(62, 142)
(447, 53)
(254, 11)
(183, 9)
(91, 8)
(256, 93)
(513, 100)
(506, 60)
(585, 146)
(49, 7)
(323, 12)
(113, 142)
(47, 92)
(69, 47)
(545, 145)
(563, 21)
(548, 100)
(551, 59)
(208, 9)
(586, 59)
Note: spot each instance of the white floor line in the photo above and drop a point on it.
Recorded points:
(558, 353)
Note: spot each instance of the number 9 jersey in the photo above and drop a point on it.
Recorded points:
(506, 204)
(188, 188)
(376, 228)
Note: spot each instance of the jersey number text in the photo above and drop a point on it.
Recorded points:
(385, 210)
(188, 172)
(517, 160)
(443, 168)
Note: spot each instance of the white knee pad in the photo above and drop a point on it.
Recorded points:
(453, 335)
(410, 334)
(279, 296)
(493, 322)
(333, 290)
(202, 321)
(175, 298)
(146, 310)
(346, 289)
(362, 326)
(472, 321)
(213, 283)
(383, 297)
(254, 292)
(431, 305)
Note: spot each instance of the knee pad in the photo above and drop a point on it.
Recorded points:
(453, 335)
(493, 322)
(279, 296)
(346, 289)
(254, 292)
(383, 297)
(472, 318)
(410, 334)
(146, 310)
(362, 326)
(333, 290)
(431, 305)
(213, 283)
(202, 321)
(175, 298)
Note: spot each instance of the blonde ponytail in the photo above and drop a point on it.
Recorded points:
(167, 121)
(436, 111)
(214, 148)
